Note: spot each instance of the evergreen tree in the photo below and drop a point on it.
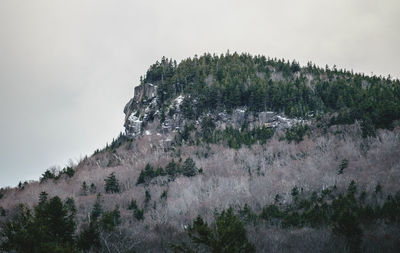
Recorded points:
(172, 168)
(111, 184)
(189, 168)
(43, 198)
(147, 196)
(50, 228)
(48, 174)
(227, 235)
(89, 238)
(110, 219)
(92, 188)
(138, 213)
(343, 165)
(70, 205)
(132, 205)
(347, 224)
(97, 209)
(187, 108)
(141, 178)
(84, 189)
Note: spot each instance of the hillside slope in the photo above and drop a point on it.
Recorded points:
(251, 133)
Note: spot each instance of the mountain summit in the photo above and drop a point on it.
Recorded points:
(251, 90)
(228, 153)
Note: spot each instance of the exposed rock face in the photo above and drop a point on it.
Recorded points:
(137, 108)
(241, 117)
(145, 91)
(133, 124)
(176, 121)
(266, 116)
(238, 118)
(143, 108)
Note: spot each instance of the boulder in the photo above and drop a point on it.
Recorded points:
(144, 92)
(265, 117)
(238, 117)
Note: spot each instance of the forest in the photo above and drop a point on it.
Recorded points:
(224, 82)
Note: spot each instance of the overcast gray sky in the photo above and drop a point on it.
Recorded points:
(67, 68)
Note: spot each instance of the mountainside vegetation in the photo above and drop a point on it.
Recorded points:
(212, 82)
(232, 153)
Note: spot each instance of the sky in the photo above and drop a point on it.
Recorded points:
(67, 68)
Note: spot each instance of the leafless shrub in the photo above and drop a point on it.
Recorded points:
(272, 239)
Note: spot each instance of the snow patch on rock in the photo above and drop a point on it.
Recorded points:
(179, 100)
(133, 124)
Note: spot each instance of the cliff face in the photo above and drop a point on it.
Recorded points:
(145, 91)
(143, 108)
(137, 109)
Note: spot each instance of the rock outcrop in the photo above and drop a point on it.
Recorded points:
(143, 108)
(137, 108)
(144, 92)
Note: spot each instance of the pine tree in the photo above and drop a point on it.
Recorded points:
(227, 235)
(43, 197)
(89, 238)
(49, 228)
(110, 219)
(97, 209)
(70, 205)
(84, 189)
(132, 205)
(189, 168)
(172, 168)
(92, 188)
(138, 213)
(147, 196)
(112, 185)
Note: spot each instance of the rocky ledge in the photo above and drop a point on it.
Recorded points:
(143, 108)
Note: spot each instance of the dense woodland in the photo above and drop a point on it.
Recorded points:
(212, 82)
(329, 186)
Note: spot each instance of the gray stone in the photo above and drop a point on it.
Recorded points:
(145, 91)
(265, 117)
(238, 117)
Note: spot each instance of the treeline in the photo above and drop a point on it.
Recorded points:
(236, 138)
(233, 138)
(54, 174)
(51, 174)
(213, 83)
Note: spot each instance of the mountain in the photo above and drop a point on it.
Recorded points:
(228, 153)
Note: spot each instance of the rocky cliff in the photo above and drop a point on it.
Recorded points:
(138, 108)
(143, 108)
